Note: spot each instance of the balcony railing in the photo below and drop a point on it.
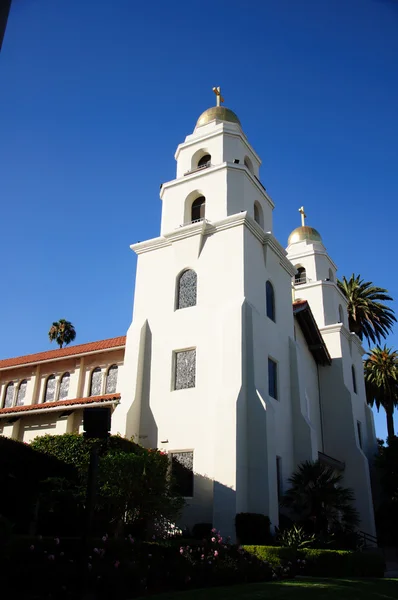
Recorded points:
(300, 280)
(194, 221)
(205, 166)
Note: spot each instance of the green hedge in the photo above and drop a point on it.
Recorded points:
(325, 563)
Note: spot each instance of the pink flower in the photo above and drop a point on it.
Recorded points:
(202, 557)
(215, 553)
(214, 530)
(117, 563)
(213, 539)
(181, 550)
(95, 550)
(104, 538)
(56, 540)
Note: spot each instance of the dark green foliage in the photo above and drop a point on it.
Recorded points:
(367, 316)
(381, 381)
(63, 332)
(317, 499)
(252, 528)
(386, 463)
(325, 563)
(133, 484)
(201, 530)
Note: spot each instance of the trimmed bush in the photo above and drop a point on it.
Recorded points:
(324, 563)
(252, 528)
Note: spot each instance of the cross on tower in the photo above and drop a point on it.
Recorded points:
(303, 216)
(217, 91)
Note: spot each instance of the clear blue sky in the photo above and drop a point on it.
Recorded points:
(95, 97)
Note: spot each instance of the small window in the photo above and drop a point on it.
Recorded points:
(22, 392)
(64, 386)
(186, 289)
(185, 369)
(9, 396)
(359, 430)
(331, 275)
(96, 382)
(182, 473)
(270, 297)
(279, 476)
(258, 214)
(300, 277)
(111, 380)
(205, 161)
(272, 379)
(354, 379)
(198, 209)
(341, 314)
(49, 393)
(249, 164)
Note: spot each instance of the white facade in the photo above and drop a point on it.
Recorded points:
(197, 375)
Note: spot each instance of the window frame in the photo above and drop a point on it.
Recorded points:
(89, 394)
(106, 377)
(185, 450)
(202, 209)
(10, 383)
(177, 292)
(51, 376)
(174, 369)
(59, 386)
(354, 379)
(359, 433)
(269, 285)
(276, 379)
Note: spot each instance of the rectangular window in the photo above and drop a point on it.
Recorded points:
(272, 379)
(359, 429)
(184, 369)
(182, 472)
(279, 476)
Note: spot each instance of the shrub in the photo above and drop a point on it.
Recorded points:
(201, 530)
(252, 528)
(324, 563)
(295, 537)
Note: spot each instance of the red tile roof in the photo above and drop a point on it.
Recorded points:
(63, 352)
(61, 403)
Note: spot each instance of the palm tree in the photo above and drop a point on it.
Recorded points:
(381, 382)
(367, 316)
(62, 332)
(317, 498)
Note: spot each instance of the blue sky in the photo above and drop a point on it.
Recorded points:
(96, 96)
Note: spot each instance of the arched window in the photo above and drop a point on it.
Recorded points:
(111, 380)
(258, 214)
(300, 277)
(64, 386)
(9, 396)
(204, 161)
(331, 276)
(354, 379)
(49, 393)
(96, 382)
(270, 296)
(249, 164)
(186, 289)
(341, 314)
(21, 392)
(198, 209)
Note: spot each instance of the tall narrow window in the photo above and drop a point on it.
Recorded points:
(341, 314)
(204, 161)
(331, 276)
(49, 393)
(272, 378)
(300, 277)
(279, 476)
(182, 473)
(96, 382)
(354, 379)
(111, 380)
(22, 392)
(9, 396)
(270, 297)
(359, 430)
(64, 386)
(187, 285)
(198, 209)
(185, 369)
(258, 214)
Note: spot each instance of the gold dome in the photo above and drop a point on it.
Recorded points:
(304, 233)
(221, 113)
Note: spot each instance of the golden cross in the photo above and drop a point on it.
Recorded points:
(217, 91)
(303, 216)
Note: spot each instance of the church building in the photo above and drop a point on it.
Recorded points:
(238, 362)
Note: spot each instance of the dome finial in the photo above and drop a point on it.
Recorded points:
(303, 216)
(217, 91)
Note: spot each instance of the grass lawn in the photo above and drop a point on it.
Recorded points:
(296, 589)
